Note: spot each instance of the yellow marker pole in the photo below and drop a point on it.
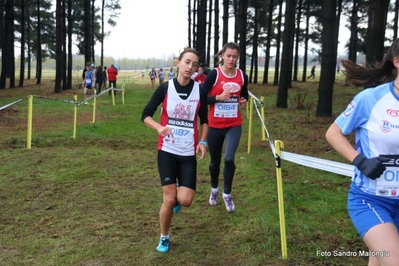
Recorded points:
(262, 113)
(29, 134)
(251, 108)
(75, 115)
(247, 109)
(280, 145)
(94, 107)
(113, 96)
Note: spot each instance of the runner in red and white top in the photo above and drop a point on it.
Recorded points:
(179, 139)
(227, 91)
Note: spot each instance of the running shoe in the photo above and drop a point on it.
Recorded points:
(177, 207)
(228, 200)
(164, 243)
(213, 197)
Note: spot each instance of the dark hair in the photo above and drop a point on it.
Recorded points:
(373, 74)
(229, 45)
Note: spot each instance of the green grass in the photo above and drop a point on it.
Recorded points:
(94, 200)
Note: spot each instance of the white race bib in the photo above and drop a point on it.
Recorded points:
(388, 183)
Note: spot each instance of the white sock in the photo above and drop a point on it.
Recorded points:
(225, 195)
(215, 189)
(162, 236)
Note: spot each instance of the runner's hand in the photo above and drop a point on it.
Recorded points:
(373, 167)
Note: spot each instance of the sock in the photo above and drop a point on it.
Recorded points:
(162, 236)
(215, 189)
(225, 195)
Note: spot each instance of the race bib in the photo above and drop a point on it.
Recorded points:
(182, 130)
(388, 183)
(227, 109)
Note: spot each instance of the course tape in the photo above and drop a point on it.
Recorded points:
(62, 100)
(313, 162)
(321, 164)
(8, 105)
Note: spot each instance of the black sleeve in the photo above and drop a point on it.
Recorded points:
(203, 111)
(244, 91)
(157, 98)
(208, 84)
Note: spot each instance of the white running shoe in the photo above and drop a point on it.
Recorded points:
(228, 200)
(213, 197)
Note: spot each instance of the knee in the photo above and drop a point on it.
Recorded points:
(169, 201)
(186, 202)
(229, 162)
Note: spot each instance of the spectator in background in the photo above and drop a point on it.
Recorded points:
(105, 77)
(88, 83)
(153, 76)
(312, 72)
(200, 78)
(161, 76)
(112, 73)
(171, 74)
(99, 79)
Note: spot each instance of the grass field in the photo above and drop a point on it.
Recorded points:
(94, 200)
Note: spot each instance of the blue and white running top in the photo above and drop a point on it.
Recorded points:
(374, 116)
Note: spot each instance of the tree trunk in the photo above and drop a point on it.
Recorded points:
(328, 60)
(286, 64)
(268, 45)
(58, 47)
(242, 30)
(297, 35)
(189, 22)
(377, 20)
(201, 33)
(225, 21)
(22, 61)
(39, 47)
(395, 20)
(87, 50)
(11, 40)
(208, 46)
(352, 50)
(216, 31)
(305, 56)
(278, 38)
(70, 59)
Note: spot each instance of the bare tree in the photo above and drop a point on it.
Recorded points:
(268, 44)
(328, 61)
(225, 21)
(377, 20)
(278, 41)
(286, 64)
(22, 60)
(208, 46)
(242, 30)
(216, 31)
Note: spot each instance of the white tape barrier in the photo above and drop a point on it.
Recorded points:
(317, 163)
(8, 105)
(313, 162)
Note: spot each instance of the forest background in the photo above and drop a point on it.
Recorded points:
(280, 25)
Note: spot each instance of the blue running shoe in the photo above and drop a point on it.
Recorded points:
(164, 243)
(177, 208)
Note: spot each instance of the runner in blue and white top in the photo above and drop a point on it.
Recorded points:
(88, 83)
(373, 115)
